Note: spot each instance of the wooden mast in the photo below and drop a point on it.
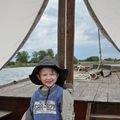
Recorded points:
(61, 33)
(66, 36)
(70, 39)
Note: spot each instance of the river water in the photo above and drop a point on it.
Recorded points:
(8, 75)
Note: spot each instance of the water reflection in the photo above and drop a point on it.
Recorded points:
(8, 75)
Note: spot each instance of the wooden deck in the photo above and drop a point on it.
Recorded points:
(97, 99)
(103, 89)
(99, 94)
(23, 89)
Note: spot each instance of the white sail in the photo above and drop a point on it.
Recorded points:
(17, 20)
(106, 14)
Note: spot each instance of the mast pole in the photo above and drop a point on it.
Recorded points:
(70, 39)
(61, 33)
(66, 15)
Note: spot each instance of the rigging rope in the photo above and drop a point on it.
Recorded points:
(100, 53)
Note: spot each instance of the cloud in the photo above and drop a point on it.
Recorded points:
(44, 35)
(85, 28)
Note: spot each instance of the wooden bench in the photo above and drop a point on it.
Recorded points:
(4, 114)
(105, 116)
(102, 113)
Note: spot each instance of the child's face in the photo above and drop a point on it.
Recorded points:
(48, 76)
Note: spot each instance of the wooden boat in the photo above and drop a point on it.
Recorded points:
(93, 100)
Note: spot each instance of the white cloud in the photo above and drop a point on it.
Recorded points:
(86, 37)
(44, 35)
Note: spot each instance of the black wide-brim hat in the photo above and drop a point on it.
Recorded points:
(52, 64)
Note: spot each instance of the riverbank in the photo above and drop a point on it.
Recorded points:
(85, 63)
(15, 64)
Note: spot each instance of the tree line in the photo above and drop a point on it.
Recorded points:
(24, 57)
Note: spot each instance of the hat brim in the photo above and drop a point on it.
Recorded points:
(60, 81)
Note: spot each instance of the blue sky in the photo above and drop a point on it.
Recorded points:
(44, 35)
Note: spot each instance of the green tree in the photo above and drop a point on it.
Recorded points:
(108, 59)
(50, 53)
(41, 54)
(22, 57)
(93, 58)
(35, 58)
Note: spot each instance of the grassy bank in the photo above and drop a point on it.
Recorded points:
(20, 65)
(85, 63)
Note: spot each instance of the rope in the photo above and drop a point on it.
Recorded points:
(100, 53)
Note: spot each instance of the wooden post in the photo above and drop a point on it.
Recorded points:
(70, 39)
(61, 33)
(66, 36)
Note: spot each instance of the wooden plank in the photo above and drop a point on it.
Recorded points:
(105, 108)
(14, 87)
(61, 33)
(114, 78)
(106, 80)
(89, 93)
(4, 113)
(17, 105)
(105, 116)
(102, 93)
(66, 36)
(22, 91)
(118, 74)
(88, 112)
(79, 89)
(70, 39)
(80, 109)
(115, 68)
(114, 93)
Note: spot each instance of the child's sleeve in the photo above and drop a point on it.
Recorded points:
(67, 105)
(27, 115)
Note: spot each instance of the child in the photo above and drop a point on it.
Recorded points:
(47, 100)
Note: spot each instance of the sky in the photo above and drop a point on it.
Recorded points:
(86, 43)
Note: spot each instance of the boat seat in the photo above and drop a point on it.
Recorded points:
(4, 114)
(102, 113)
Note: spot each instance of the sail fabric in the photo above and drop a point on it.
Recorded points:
(17, 20)
(106, 14)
